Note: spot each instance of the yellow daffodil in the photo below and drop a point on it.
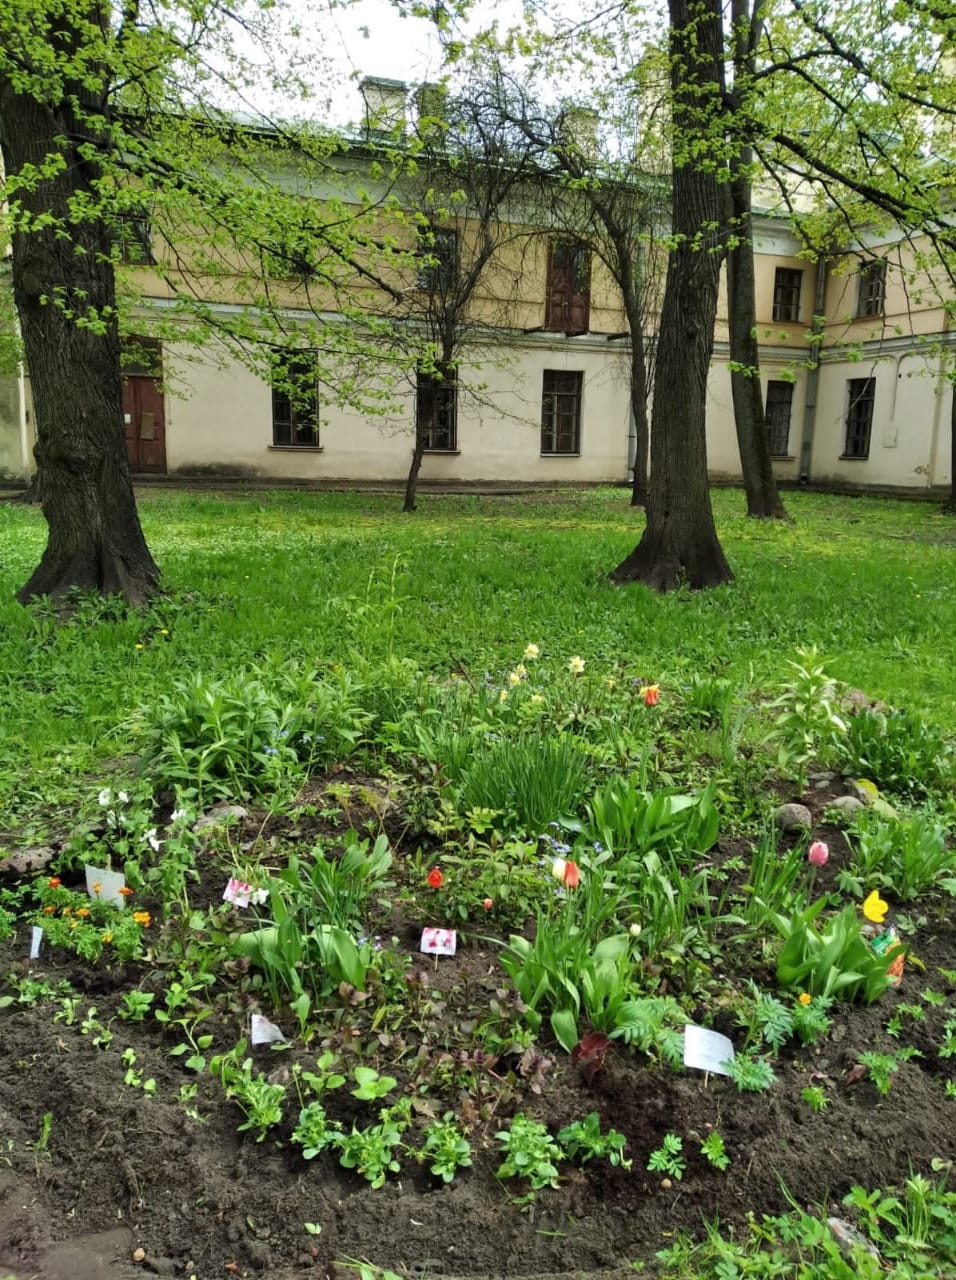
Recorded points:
(576, 665)
(537, 699)
(875, 909)
(531, 651)
(513, 678)
(503, 695)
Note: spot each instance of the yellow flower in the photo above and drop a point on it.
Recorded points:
(97, 887)
(531, 651)
(513, 678)
(804, 998)
(610, 683)
(83, 911)
(137, 646)
(503, 695)
(164, 631)
(106, 937)
(537, 699)
(143, 918)
(576, 665)
(875, 909)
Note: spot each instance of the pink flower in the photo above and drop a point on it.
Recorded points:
(818, 855)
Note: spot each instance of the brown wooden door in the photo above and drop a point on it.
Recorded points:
(145, 423)
(569, 287)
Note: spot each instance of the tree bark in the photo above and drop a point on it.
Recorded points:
(680, 543)
(639, 408)
(64, 292)
(411, 481)
(753, 439)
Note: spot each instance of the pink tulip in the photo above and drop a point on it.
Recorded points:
(818, 855)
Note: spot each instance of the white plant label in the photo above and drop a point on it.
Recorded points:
(36, 937)
(110, 883)
(262, 1031)
(439, 942)
(707, 1050)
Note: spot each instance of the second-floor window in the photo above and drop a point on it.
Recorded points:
(295, 400)
(130, 237)
(568, 292)
(786, 293)
(779, 406)
(871, 300)
(438, 259)
(436, 412)
(561, 412)
(861, 396)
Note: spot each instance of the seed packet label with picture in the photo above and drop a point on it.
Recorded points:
(707, 1050)
(439, 942)
(262, 1031)
(110, 883)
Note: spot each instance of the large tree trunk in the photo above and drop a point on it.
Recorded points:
(753, 439)
(639, 410)
(680, 542)
(95, 541)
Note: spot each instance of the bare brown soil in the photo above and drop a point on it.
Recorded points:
(123, 1172)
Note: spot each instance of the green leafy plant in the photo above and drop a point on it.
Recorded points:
(714, 1151)
(811, 1019)
(315, 1132)
(446, 1149)
(807, 724)
(530, 1153)
(583, 1140)
(835, 962)
(135, 1005)
(767, 1019)
(816, 1098)
(655, 1024)
(880, 1068)
(531, 779)
(371, 1151)
(750, 1074)
(899, 750)
(370, 1086)
(260, 1100)
(908, 856)
(133, 1076)
(668, 1158)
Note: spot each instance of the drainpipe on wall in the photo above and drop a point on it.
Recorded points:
(813, 374)
(25, 454)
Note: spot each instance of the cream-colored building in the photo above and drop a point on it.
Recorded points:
(544, 398)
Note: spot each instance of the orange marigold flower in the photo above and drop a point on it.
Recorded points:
(82, 911)
(126, 891)
(97, 888)
(54, 882)
(804, 998)
(49, 911)
(143, 918)
(67, 911)
(107, 936)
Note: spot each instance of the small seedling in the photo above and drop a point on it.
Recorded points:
(816, 1098)
(134, 1077)
(135, 1005)
(749, 1074)
(446, 1147)
(881, 1068)
(313, 1228)
(371, 1085)
(667, 1158)
(713, 1150)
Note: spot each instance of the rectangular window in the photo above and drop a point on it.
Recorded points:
(786, 293)
(872, 297)
(859, 417)
(436, 411)
(130, 237)
(295, 400)
(568, 291)
(779, 405)
(438, 252)
(561, 412)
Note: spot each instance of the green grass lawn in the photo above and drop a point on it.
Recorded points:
(468, 580)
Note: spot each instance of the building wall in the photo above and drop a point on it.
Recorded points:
(220, 420)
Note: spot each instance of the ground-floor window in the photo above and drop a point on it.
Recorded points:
(861, 394)
(436, 412)
(295, 400)
(561, 412)
(779, 406)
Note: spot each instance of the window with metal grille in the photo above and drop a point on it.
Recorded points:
(295, 400)
(872, 296)
(438, 259)
(436, 411)
(786, 293)
(859, 417)
(561, 412)
(779, 406)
